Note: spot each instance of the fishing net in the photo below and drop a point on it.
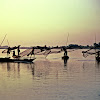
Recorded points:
(48, 51)
(28, 52)
(89, 52)
(24, 53)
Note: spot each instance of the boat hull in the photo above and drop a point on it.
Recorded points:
(65, 57)
(5, 60)
(22, 60)
(15, 60)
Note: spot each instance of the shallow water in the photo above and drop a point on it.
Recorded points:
(51, 79)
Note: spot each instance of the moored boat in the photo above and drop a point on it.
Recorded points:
(6, 59)
(17, 58)
(65, 57)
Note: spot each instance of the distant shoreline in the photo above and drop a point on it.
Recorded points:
(54, 47)
(70, 46)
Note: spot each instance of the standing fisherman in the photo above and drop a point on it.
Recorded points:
(14, 53)
(65, 57)
(65, 51)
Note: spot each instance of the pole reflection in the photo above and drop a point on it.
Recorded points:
(8, 67)
(16, 69)
(65, 63)
(97, 64)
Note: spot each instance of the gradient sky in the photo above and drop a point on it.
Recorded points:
(40, 22)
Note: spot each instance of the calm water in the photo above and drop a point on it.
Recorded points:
(51, 79)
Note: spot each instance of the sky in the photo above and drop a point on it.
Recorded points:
(48, 22)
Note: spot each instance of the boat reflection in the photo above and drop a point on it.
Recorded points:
(16, 69)
(37, 70)
(97, 64)
(65, 62)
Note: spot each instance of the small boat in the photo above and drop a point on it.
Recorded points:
(8, 59)
(17, 58)
(65, 57)
(22, 60)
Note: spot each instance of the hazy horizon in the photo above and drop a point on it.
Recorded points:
(48, 22)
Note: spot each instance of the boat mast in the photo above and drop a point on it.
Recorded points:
(3, 40)
(67, 39)
(95, 45)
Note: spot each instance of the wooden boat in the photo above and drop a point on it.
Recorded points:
(65, 57)
(16, 58)
(8, 59)
(22, 60)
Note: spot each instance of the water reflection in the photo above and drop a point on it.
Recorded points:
(65, 62)
(45, 68)
(15, 69)
(42, 69)
(37, 70)
(97, 64)
(33, 69)
(8, 67)
(50, 80)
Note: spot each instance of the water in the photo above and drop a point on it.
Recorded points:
(51, 79)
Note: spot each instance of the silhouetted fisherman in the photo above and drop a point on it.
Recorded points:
(65, 57)
(14, 53)
(65, 51)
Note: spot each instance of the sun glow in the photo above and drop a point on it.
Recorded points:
(41, 22)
